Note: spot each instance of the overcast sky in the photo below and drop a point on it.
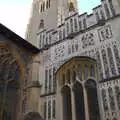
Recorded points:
(15, 13)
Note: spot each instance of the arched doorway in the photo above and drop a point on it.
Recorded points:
(79, 101)
(66, 96)
(93, 106)
(33, 116)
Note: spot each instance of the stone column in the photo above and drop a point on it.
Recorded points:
(86, 104)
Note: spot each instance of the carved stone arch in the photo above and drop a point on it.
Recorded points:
(33, 116)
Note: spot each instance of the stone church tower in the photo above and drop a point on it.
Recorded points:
(48, 14)
(79, 69)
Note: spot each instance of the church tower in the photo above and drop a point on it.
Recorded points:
(47, 15)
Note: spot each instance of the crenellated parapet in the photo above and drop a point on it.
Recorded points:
(76, 24)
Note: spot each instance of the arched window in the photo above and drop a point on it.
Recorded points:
(104, 100)
(110, 56)
(71, 23)
(75, 22)
(111, 98)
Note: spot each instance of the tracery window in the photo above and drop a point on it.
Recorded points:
(111, 98)
(117, 57)
(107, 10)
(75, 22)
(117, 93)
(110, 56)
(54, 110)
(71, 23)
(49, 109)
(104, 100)
(105, 63)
